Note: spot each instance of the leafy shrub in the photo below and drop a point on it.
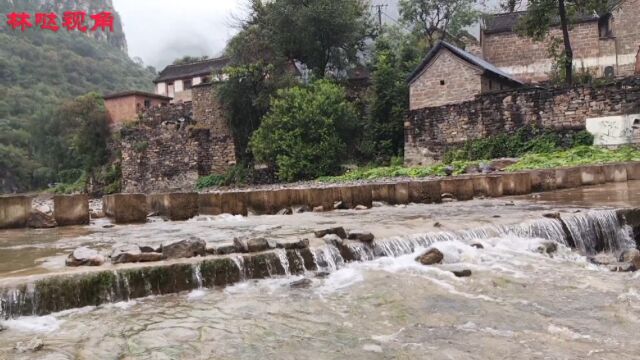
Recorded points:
(237, 175)
(69, 176)
(209, 181)
(582, 138)
(303, 134)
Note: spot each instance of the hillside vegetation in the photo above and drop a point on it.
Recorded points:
(41, 70)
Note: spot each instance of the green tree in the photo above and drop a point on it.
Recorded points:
(189, 59)
(395, 56)
(320, 33)
(303, 134)
(245, 96)
(437, 19)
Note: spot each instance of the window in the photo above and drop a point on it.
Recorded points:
(147, 103)
(441, 82)
(188, 84)
(604, 27)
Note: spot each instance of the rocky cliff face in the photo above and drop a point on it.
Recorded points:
(116, 38)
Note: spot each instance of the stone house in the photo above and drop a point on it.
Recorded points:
(604, 45)
(126, 107)
(450, 75)
(177, 81)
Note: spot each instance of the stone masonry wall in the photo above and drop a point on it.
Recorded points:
(430, 132)
(529, 60)
(172, 146)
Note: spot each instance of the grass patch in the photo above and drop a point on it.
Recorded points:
(579, 155)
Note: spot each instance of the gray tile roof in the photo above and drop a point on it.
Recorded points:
(199, 68)
(472, 59)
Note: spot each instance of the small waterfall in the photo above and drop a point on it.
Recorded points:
(197, 275)
(328, 258)
(284, 261)
(239, 261)
(597, 231)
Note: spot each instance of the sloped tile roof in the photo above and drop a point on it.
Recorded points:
(200, 68)
(472, 59)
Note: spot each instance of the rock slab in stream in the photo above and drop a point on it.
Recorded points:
(185, 249)
(462, 273)
(252, 245)
(293, 245)
(339, 231)
(431, 257)
(361, 235)
(84, 256)
(301, 284)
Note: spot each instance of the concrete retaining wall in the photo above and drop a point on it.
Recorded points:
(126, 208)
(71, 209)
(14, 211)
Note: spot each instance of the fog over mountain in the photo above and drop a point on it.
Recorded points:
(159, 31)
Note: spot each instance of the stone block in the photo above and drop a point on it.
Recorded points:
(425, 191)
(487, 185)
(516, 183)
(402, 192)
(633, 170)
(543, 180)
(460, 187)
(175, 206)
(568, 178)
(257, 201)
(126, 208)
(346, 196)
(615, 172)
(384, 192)
(234, 203)
(592, 175)
(14, 211)
(361, 195)
(71, 209)
(209, 204)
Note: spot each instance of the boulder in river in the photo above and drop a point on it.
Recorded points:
(335, 231)
(361, 235)
(339, 205)
(126, 254)
(225, 249)
(360, 208)
(629, 254)
(33, 345)
(301, 209)
(547, 247)
(41, 220)
(285, 211)
(462, 273)
(301, 284)
(83, 256)
(431, 257)
(252, 245)
(477, 246)
(318, 209)
(185, 249)
(293, 245)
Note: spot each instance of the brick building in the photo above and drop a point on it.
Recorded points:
(604, 45)
(177, 81)
(450, 75)
(126, 107)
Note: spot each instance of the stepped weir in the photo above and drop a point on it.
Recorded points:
(589, 233)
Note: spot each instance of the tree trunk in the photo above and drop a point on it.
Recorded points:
(568, 52)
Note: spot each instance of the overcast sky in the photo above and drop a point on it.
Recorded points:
(159, 31)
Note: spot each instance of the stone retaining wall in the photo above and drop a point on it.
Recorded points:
(430, 132)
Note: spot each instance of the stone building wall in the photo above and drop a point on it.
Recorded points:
(172, 146)
(430, 132)
(529, 60)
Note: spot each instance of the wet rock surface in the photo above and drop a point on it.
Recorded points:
(547, 247)
(41, 220)
(84, 256)
(126, 254)
(332, 239)
(252, 245)
(462, 273)
(301, 284)
(224, 249)
(293, 245)
(431, 257)
(185, 249)
(361, 235)
(339, 231)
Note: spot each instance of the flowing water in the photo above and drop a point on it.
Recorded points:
(518, 303)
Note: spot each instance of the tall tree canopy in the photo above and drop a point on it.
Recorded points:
(436, 19)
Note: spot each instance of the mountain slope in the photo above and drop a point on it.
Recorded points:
(41, 69)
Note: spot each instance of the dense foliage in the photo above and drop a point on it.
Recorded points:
(305, 131)
(526, 140)
(40, 70)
